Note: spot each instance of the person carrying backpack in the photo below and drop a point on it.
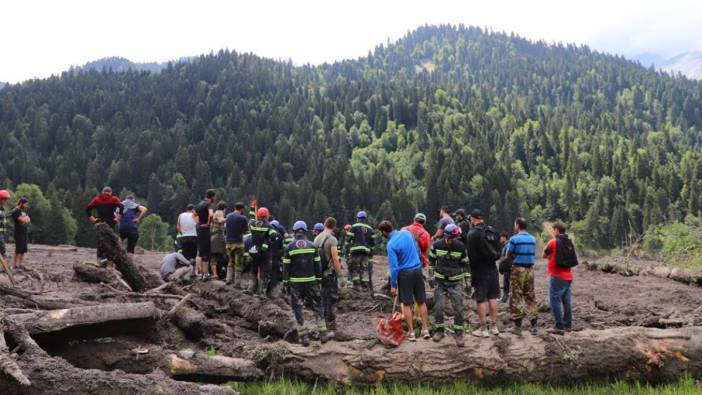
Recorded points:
(327, 244)
(483, 250)
(561, 258)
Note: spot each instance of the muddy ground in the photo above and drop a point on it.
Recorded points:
(600, 300)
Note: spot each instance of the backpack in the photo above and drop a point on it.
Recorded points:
(490, 242)
(565, 252)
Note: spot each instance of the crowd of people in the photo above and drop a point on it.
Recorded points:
(255, 253)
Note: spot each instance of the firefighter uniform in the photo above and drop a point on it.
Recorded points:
(448, 263)
(302, 272)
(360, 241)
(263, 236)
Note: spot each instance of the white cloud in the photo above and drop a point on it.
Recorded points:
(44, 37)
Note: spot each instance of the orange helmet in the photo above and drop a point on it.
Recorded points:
(263, 213)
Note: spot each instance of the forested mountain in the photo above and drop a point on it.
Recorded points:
(445, 115)
(121, 65)
(2, 84)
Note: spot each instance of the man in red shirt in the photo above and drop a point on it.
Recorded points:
(421, 236)
(560, 280)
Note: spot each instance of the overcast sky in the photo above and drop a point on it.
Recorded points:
(40, 38)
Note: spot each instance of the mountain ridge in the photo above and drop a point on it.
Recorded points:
(488, 120)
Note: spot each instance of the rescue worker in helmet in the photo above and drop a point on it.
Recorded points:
(263, 236)
(361, 241)
(448, 264)
(302, 273)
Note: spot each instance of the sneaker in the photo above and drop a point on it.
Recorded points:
(481, 333)
(426, 335)
(534, 328)
(438, 336)
(505, 298)
(305, 341)
(412, 337)
(493, 330)
(555, 331)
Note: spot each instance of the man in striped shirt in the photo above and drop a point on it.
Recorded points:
(521, 250)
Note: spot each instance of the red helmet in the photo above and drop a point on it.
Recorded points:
(262, 213)
(347, 227)
(4, 194)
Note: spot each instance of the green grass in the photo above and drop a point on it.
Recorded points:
(685, 385)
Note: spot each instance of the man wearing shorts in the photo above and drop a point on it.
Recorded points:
(485, 278)
(129, 223)
(406, 274)
(21, 221)
(204, 213)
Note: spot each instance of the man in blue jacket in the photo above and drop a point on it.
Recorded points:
(406, 274)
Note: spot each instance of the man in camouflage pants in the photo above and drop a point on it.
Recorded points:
(521, 250)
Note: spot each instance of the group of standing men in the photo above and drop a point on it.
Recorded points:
(464, 253)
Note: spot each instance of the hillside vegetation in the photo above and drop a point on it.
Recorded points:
(445, 115)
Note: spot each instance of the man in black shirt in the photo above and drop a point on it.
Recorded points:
(21, 221)
(485, 278)
(204, 214)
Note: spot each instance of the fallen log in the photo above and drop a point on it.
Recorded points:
(188, 320)
(88, 321)
(270, 318)
(196, 366)
(685, 276)
(636, 353)
(33, 299)
(109, 243)
(8, 365)
(93, 274)
(56, 376)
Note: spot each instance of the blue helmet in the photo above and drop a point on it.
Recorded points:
(319, 227)
(300, 226)
(361, 215)
(452, 231)
(275, 223)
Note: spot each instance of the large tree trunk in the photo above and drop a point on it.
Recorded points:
(55, 376)
(627, 352)
(88, 321)
(629, 268)
(269, 317)
(93, 274)
(109, 242)
(35, 300)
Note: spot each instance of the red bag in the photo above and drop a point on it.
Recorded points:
(390, 329)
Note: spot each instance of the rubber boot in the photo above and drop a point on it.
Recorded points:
(325, 336)
(236, 284)
(517, 328)
(459, 339)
